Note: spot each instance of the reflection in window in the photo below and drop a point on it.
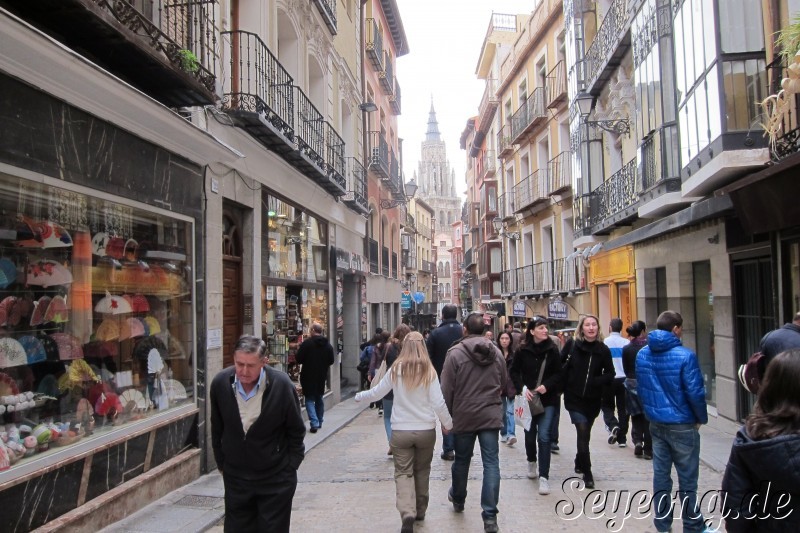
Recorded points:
(745, 85)
(743, 26)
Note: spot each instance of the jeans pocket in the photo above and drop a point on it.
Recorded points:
(684, 441)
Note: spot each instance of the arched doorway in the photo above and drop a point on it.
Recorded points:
(231, 284)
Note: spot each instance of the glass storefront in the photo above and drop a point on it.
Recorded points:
(295, 280)
(96, 318)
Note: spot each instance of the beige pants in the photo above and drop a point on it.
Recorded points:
(413, 451)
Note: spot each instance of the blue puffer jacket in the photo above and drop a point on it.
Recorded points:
(670, 383)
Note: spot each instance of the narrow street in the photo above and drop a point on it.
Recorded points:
(346, 484)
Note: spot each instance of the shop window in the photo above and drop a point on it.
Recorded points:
(296, 243)
(97, 317)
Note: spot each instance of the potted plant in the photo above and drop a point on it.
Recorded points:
(189, 61)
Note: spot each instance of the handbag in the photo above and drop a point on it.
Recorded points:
(378, 374)
(537, 407)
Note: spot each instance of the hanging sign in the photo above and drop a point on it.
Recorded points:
(405, 300)
(558, 310)
(519, 308)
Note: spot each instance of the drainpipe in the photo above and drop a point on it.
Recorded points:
(364, 149)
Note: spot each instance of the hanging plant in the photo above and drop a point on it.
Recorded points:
(189, 61)
(789, 40)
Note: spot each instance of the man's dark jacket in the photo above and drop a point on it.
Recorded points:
(784, 338)
(316, 356)
(441, 339)
(275, 440)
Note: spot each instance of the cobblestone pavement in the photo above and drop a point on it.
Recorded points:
(346, 484)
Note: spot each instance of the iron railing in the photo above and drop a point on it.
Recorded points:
(379, 154)
(618, 192)
(385, 261)
(659, 156)
(489, 161)
(327, 8)
(557, 84)
(533, 189)
(532, 111)
(426, 266)
(386, 76)
(560, 275)
(505, 146)
(374, 44)
(560, 170)
(607, 39)
(310, 128)
(394, 99)
(373, 256)
(259, 83)
(358, 183)
(488, 106)
(787, 124)
(334, 157)
(394, 176)
(505, 205)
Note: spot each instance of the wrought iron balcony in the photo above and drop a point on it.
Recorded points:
(410, 223)
(374, 44)
(609, 46)
(373, 256)
(334, 162)
(505, 204)
(530, 113)
(394, 177)
(386, 76)
(356, 197)
(260, 98)
(379, 154)
(557, 85)
(166, 49)
(504, 145)
(489, 164)
(533, 193)
(394, 98)
(611, 204)
(560, 275)
(509, 282)
(426, 266)
(659, 153)
(560, 170)
(385, 262)
(488, 106)
(327, 8)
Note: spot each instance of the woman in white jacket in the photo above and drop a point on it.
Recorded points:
(418, 402)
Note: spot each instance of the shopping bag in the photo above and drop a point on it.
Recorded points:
(522, 412)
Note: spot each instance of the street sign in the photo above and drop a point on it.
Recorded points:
(405, 300)
(419, 297)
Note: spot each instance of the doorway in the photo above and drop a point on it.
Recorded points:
(231, 284)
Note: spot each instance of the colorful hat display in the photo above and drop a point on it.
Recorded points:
(33, 348)
(50, 347)
(99, 244)
(45, 234)
(57, 310)
(47, 273)
(80, 372)
(8, 272)
(153, 327)
(108, 330)
(113, 305)
(139, 303)
(12, 353)
(132, 327)
(39, 310)
(69, 347)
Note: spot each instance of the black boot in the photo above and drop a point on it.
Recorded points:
(578, 466)
(585, 463)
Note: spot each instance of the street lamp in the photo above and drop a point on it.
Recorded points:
(409, 189)
(586, 103)
(500, 229)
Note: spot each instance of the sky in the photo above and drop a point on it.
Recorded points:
(444, 39)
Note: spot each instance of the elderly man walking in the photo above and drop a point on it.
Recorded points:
(473, 377)
(316, 356)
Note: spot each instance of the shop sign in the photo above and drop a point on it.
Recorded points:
(405, 300)
(558, 310)
(519, 308)
(343, 259)
(214, 339)
(357, 262)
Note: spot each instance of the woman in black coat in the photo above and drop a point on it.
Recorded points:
(640, 433)
(587, 369)
(538, 349)
(761, 484)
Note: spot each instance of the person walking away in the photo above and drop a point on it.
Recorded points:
(439, 341)
(614, 394)
(364, 360)
(316, 355)
(418, 402)
(257, 433)
(473, 377)
(393, 348)
(671, 387)
(640, 427)
(587, 369)
(508, 433)
(537, 366)
(763, 462)
(377, 358)
(786, 337)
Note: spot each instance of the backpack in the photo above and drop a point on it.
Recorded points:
(364, 358)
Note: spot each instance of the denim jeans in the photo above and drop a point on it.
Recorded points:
(540, 431)
(387, 418)
(490, 449)
(315, 408)
(448, 443)
(509, 426)
(556, 422)
(614, 397)
(677, 444)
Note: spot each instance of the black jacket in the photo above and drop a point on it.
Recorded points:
(316, 356)
(784, 338)
(440, 340)
(274, 441)
(527, 363)
(754, 466)
(587, 369)
(629, 352)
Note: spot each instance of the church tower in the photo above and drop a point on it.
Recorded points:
(435, 178)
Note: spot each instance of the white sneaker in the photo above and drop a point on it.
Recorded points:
(544, 486)
(512, 440)
(504, 439)
(533, 470)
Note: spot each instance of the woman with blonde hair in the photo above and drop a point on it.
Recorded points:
(418, 402)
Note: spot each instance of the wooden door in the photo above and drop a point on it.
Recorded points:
(231, 287)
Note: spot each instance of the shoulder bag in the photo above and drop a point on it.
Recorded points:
(537, 407)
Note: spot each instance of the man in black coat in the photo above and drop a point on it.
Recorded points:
(786, 337)
(439, 341)
(257, 433)
(316, 356)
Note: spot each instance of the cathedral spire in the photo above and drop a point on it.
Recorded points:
(433, 126)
